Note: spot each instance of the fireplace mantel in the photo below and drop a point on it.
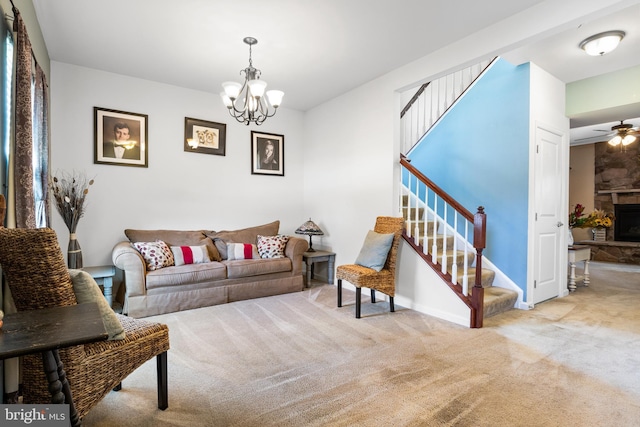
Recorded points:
(614, 193)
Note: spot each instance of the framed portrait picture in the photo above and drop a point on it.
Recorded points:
(205, 137)
(267, 154)
(120, 138)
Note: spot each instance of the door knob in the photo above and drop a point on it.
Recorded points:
(559, 224)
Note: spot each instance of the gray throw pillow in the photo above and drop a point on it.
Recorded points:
(375, 250)
(87, 290)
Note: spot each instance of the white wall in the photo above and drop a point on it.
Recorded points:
(179, 190)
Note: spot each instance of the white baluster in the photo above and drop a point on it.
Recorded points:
(434, 247)
(445, 230)
(425, 231)
(465, 278)
(415, 218)
(454, 266)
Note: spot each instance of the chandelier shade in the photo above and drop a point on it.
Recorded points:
(250, 102)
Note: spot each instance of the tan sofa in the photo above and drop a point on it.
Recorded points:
(184, 287)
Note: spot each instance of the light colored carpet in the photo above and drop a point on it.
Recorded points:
(298, 360)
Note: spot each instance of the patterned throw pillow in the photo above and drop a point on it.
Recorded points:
(190, 254)
(156, 254)
(242, 251)
(272, 246)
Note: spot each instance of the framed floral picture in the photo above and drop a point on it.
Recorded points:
(201, 136)
(267, 154)
(120, 138)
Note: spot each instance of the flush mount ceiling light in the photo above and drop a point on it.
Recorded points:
(248, 102)
(599, 44)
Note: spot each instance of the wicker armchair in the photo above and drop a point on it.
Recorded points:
(363, 277)
(37, 275)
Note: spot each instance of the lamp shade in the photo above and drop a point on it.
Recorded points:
(309, 228)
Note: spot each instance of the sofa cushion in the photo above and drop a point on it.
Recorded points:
(174, 238)
(272, 246)
(256, 267)
(156, 254)
(221, 246)
(190, 254)
(186, 274)
(245, 235)
(242, 251)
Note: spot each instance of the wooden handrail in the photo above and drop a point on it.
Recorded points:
(439, 191)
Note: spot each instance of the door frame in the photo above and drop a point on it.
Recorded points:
(563, 201)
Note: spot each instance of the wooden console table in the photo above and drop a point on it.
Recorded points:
(578, 253)
(47, 330)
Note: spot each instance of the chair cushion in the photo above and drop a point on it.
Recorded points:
(375, 250)
(87, 290)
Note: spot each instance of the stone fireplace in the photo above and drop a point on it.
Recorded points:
(627, 223)
(617, 190)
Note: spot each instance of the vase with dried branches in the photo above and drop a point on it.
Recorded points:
(69, 192)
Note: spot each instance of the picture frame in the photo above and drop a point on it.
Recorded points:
(201, 136)
(120, 138)
(267, 154)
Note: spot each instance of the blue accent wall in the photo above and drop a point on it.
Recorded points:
(479, 154)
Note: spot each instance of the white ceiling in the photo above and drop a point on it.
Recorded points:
(313, 50)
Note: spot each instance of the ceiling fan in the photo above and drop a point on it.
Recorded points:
(624, 133)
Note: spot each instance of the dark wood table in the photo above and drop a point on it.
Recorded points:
(47, 330)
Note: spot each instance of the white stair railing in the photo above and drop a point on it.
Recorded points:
(433, 100)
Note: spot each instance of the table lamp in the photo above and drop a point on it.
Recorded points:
(310, 228)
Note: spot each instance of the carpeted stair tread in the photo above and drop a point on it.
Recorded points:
(486, 279)
(439, 241)
(410, 213)
(498, 300)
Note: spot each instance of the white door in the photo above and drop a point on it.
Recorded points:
(549, 246)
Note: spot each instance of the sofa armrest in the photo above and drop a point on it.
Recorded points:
(294, 250)
(129, 260)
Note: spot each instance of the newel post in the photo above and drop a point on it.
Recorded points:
(479, 243)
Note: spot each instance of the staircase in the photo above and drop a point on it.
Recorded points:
(438, 228)
(459, 262)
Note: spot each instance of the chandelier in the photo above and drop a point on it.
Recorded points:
(248, 102)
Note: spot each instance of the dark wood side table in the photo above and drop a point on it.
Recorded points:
(47, 330)
(311, 258)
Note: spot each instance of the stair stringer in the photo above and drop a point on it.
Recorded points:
(501, 280)
(420, 288)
